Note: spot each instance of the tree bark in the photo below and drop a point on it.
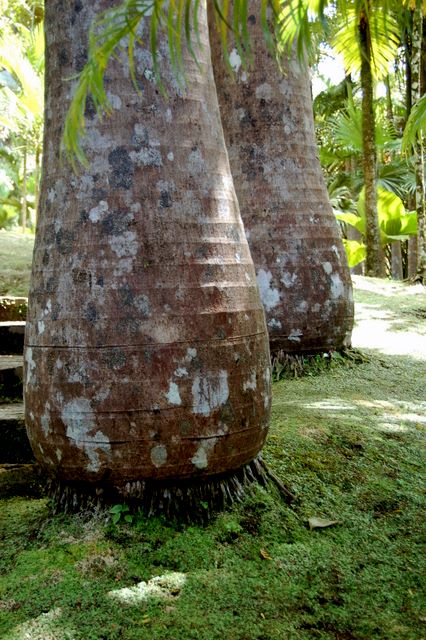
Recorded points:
(146, 357)
(293, 235)
(418, 88)
(24, 204)
(396, 261)
(373, 263)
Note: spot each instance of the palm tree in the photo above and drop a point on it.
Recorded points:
(294, 238)
(147, 370)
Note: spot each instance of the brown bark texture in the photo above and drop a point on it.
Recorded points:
(146, 349)
(295, 241)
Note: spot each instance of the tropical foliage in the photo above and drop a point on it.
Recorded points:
(21, 108)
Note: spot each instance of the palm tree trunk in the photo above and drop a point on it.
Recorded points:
(293, 235)
(373, 263)
(37, 183)
(417, 92)
(396, 261)
(147, 362)
(24, 190)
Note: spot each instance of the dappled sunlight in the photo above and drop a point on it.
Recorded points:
(394, 326)
(385, 415)
(165, 587)
(387, 288)
(370, 333)
(46, 626)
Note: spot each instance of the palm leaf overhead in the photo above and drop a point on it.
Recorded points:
(384, 40)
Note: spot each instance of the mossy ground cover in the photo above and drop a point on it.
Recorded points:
(348, 442)
(16, 250)
(349, 445)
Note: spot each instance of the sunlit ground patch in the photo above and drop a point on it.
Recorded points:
(163, 587)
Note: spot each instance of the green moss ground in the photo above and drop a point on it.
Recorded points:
(347, 442)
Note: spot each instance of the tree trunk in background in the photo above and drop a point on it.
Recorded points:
(418, 89)
(146, 349)
(374, 261)
(24, 204)
(389, 105)
(412, 241)
(293, 235)
(396, 261)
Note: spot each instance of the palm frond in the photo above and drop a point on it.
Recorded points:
(385, 39)
(415, 126)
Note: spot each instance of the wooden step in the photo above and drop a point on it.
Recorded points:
(14, 445)
(11, 375)
(13, 308)
(12, 337)
(20, 480)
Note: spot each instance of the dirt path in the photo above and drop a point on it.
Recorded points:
(390, 317)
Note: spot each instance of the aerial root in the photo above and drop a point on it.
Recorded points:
(295, 365)
(191, 500)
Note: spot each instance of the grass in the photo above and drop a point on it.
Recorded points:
(16, 251)
(347, 442)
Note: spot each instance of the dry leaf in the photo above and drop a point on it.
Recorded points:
(265, 555)
(321, 523)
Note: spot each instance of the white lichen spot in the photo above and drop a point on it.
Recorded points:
(170, 156)
(190, 354)
(143, 305)
(201, 457)
(40, 326)
(316, 307)
(30, 366)
(235, 60)
(147, 157)
(45, 419)
(302, 307)
(288, 279)
(327, 267)
(244, 76)
(158, 455)
(337, 288)
(264, 91)
(273, 323)
(294, 336)
(247, 276)
(96, 213)
(173, 394)
(209, 392)
(196, 162)
(124, 266)
(125, 244)
(77, 415)
(114, 100)
(270, 297)
(181, 372)
(250, 384)
(149, 75)
(238, 257)
(336, 251)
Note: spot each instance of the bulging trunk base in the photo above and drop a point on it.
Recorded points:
(195, 500)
